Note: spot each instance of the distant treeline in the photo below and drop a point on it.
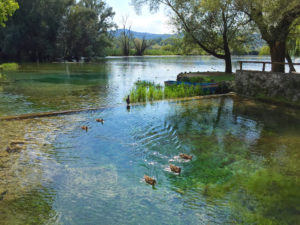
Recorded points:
(49, 30)
(179, 45)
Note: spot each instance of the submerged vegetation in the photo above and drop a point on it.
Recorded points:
(144, 91)
(9, 66)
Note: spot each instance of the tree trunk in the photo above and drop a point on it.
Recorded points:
(227, 58)
(228, 65)
(289, 59)
(277, 49)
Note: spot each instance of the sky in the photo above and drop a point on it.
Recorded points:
(145, 22)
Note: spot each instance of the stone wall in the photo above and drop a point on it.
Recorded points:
(279, 85)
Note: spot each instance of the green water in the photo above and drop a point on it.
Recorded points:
(245, 167)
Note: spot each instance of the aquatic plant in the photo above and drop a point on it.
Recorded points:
(9, 66)
(144, 91)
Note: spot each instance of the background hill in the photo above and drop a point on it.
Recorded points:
(141, 35)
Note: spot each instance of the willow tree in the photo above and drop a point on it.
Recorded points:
(214, 25)
(293, 46)
(141, 45)
(7, 9)
(275, 19)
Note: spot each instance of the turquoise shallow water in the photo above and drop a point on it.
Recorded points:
(245, 167)
(52, 87)
(244, 171)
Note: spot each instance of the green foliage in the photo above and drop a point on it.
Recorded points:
(209, 77)
(293, 42)
(31, 34)
(141, 45)
(265, 50)
(84, 30)
(215, 26)
(9, 66)
(274, 19)
(7, 8)
(146, 91)
(50, 29)
(170, 46)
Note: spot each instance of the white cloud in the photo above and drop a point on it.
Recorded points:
(145, 22)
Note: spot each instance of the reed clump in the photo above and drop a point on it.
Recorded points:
(145, 91)
(9, 66)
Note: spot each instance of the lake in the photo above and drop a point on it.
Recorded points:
(245, 167)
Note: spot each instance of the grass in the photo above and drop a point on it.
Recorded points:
(9, 66)
(147, 91)
(207, 77)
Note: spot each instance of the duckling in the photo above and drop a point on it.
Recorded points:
(14, 148)
(175, 169)
(17, 142)
(185, 156)
(128, 100)
(149, 180)
(84, 128)
(100, 120)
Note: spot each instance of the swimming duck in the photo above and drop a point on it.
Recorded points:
(128, 100)
(84, 128)
(150, 180)
(185, 156)
(100, 120)
(175, 169)
(14, 148)
(17, 142)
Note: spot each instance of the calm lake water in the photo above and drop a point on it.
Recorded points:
(245, 167)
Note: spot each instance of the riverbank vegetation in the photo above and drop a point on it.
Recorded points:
(52, 30)
(9, 66)
(205, 77)
(58, 30)
(144, 91)
(218, 25)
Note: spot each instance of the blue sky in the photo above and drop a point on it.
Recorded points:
(145, 22)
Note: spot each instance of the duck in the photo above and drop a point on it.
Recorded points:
(185, 156)
(14, 148)
(128, 100)
(149, 180)
(17, 142)
(84, 128)
(175, 169)
(100, 120)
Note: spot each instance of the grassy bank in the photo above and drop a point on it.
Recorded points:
(206, 77)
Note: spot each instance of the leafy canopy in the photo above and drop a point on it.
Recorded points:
(7, 8)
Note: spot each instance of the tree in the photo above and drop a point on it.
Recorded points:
(141, 45)
(125, 37)
(31, 34)
(213, 25)
(293, 47)
(274, 19)
(7, 8)
(84, 30)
